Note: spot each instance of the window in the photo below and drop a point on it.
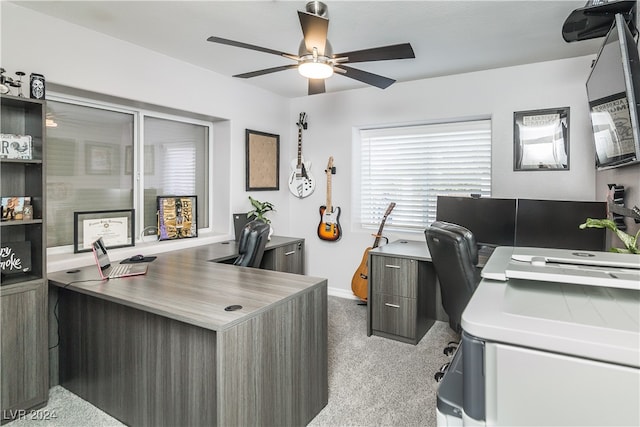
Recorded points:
(85, 164)
(412, 165)
(98, 158)
(175, 159)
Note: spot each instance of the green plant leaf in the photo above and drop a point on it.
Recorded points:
(630, 242)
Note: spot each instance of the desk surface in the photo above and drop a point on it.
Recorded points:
(185, 286)
(227, 250)
(416, 249)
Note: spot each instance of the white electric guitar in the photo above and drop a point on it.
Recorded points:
(301, 182)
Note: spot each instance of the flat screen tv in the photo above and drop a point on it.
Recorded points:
(555, 224)
(613, 91)
(492, 221)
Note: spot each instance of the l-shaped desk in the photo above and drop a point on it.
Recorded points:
(167, 348)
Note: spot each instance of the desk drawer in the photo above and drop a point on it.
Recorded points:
(394, 315)
(394, 276)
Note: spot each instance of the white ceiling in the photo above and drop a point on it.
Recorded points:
(448, 37)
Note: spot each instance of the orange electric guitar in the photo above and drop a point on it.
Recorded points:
(360, 280)
(329, 227)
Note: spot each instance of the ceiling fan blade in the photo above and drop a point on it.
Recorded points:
(314, 30)
(316, 86)
(383, 53)
(265, 71)
(251, 47)
(366, 77)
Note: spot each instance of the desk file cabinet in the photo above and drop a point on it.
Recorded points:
(402, 291)
(287, 257)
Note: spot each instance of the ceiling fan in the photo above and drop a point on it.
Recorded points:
(315, 59)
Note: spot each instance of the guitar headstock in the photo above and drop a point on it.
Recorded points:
(329, 169)
(302, 121)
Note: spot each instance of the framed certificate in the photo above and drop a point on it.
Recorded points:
(116, 227)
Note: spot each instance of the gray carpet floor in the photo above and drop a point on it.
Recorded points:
(373, 381)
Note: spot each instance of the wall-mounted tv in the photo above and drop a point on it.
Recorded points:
(613, 90)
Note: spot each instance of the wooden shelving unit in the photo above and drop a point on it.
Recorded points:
(23, 296)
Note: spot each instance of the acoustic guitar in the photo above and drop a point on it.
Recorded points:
(329, 227)
(360, 280)
(301, 182)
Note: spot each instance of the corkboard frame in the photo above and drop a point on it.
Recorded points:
(263, 161)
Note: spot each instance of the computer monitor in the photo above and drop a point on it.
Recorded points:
(492, 221)
(555, 224)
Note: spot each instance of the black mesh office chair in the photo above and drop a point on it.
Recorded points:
(454, 254)
(251, 244)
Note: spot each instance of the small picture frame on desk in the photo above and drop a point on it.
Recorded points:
(116, 227)
(177, 217)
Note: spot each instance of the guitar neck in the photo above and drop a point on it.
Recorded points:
(376, 242)
(329, 207)
(299, 147)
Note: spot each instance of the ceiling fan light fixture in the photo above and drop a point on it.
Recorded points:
(315, 69)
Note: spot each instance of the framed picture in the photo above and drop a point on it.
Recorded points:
(541, 139)
(263, 161)
(13, 207)
(102, 159)
(116, 227)
(177, 217)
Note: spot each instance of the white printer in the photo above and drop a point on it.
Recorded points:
(550, 337)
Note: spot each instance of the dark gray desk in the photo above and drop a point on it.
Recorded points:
(281, 254)
(160, 349)
(403, 294)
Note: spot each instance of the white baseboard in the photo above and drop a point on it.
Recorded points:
(341, 293)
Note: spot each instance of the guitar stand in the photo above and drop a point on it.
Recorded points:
(381, 236)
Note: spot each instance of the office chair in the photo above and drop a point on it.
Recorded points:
(252, 242)
(454, 254)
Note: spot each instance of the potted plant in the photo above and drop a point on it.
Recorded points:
(259, 211)
(630, 242)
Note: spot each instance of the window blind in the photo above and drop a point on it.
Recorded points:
(412, 165)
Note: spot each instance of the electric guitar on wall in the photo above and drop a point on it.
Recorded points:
(360, 280)
(301, 182)
(329, 227)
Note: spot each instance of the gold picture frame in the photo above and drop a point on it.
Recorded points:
(177, 217)
(262, 161)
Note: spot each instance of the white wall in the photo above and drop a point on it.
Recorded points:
(495, 93)
(72, 56)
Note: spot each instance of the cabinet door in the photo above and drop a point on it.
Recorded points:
(394, 276)
(24, 367)
(288, 258)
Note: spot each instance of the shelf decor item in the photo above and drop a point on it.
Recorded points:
(116, 227)
(27, 212)
(12, 208)
(15, 257)
(36, 86)
(177, 217)
(16, 146)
